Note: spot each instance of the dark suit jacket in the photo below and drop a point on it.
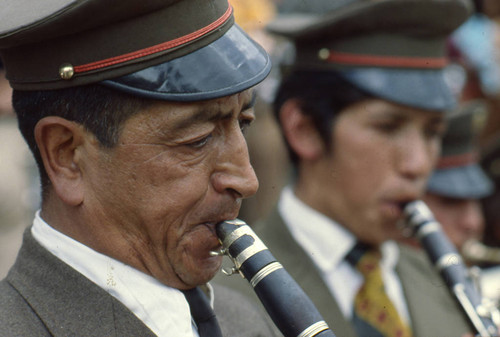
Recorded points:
(433, 311)
(43, 296)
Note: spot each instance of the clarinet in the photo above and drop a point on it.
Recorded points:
(286, 303)
(421, 223)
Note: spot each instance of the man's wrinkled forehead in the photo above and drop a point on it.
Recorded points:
(183, 115)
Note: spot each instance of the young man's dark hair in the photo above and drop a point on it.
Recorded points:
(321, 96)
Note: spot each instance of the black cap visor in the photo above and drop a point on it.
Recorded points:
(229, 65)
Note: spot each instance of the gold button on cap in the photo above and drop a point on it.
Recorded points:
(324, 54)
(66, 71)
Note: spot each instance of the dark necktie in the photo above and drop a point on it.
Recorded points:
(374, 314)
(202, 313)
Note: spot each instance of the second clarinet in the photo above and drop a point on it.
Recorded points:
(483, 316)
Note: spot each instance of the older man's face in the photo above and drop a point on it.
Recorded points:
(177, 170)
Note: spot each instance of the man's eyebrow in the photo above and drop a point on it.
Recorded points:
(251, 103)
(210, 114)
(202, 115)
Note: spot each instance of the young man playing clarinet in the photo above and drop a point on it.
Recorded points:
(362, 110)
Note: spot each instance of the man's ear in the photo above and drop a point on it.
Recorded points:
(300, 131)
(58, 140)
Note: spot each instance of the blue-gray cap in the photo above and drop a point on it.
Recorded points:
(458, 173)
(392, 49)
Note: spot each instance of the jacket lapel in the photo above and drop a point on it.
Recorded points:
(285, 249)
(68, 303)
(432, 310)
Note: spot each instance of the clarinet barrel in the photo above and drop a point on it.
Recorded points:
(286, 303)
(483, 316)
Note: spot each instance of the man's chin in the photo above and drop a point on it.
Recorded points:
(206, 271)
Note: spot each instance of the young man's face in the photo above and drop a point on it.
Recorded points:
(380, 158)
(177, 170)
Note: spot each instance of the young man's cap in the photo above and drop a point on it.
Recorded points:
(458, 173)
(182, 50)
(393, 49)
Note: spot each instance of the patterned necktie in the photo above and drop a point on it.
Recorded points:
(374, 313)
(202, 313)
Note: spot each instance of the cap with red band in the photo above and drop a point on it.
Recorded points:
(64, 43)
(393, 49)
(458, 174)
(458, 160)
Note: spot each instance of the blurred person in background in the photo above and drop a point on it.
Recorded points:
(490, 252)
(475, 55)
(18, 182)
(455, 191)
(458, 183)
(475, 48)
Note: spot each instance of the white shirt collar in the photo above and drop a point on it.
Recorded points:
(163, 309)
(317, 238)
(314, 231)
(327, 243)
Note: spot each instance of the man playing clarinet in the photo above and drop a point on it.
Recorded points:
(362, 110)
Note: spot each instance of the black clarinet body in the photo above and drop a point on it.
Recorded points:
(286, 303)
(445, 257)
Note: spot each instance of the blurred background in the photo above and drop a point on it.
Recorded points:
(474, 72)
(19, 188)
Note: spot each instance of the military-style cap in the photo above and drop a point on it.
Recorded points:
(393, 49)
(458, 173)
(182, 50)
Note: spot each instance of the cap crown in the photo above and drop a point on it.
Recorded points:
(458, 174)
(60, 43)
(393, 49)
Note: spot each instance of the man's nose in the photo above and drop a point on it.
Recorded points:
(234, 173)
